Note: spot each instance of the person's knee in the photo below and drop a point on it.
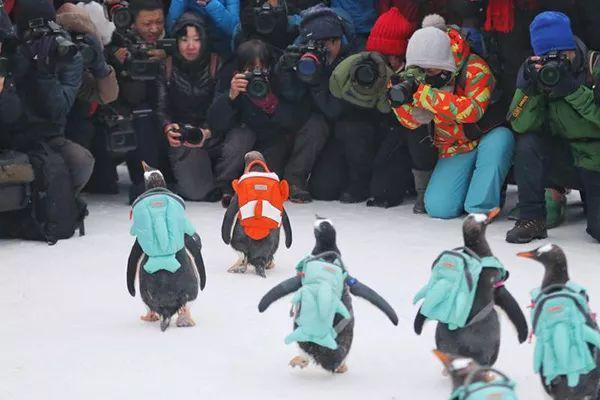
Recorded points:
(80, 162)
(498, 145)
(238, 142)
(440, 205)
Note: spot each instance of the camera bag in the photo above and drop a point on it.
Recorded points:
(16, 175)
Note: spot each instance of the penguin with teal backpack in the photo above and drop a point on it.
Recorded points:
(465, 286)
(567, 345)
(322, 306)
(471, 381)
(166, 254)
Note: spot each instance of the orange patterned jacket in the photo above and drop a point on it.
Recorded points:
(451, 110)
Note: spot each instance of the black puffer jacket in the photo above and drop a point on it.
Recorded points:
(185, 95)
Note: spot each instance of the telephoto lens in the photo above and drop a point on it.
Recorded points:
(402, 91)
(366, 74)
(264, 19)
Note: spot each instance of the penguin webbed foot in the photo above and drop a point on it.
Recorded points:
(150, 316)
(341, 369)
(240, 266)
(184, 318)
(299, 361)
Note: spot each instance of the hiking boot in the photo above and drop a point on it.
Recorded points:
(383, 203)
(419, 207)
(421, 182)
(299, 195)
(349, 198)
(214, 195)
(526, 230)
(556, 206)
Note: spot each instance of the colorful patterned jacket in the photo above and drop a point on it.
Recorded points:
(451, 110)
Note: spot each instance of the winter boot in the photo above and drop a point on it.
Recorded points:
(526, 230)
(299, 194)
(556, 206)
(421, 182)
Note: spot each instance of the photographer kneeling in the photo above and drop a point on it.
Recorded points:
(554, 112)
(185, 92)
(447, 84)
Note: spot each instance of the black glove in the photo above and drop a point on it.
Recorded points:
(42, 52)
(527, 77)
(98, 66)
(568, 83)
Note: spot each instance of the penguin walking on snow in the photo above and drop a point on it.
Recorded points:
(567, 346)
(472, 381)
(166, 254)
(324, 318)
(465, 287)
(258, 212)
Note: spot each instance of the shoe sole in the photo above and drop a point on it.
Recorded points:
(523, 241)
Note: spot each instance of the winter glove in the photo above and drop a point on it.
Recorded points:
(42, 52)
(98, 66)
(568, 83)
(527, 77)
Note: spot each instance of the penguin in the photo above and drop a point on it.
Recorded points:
(332, 360)
(166, 293)
(556, 275)
(480, 339)
(257, 253)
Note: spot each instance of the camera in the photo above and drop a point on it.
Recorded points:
(258, 84)
(140, 66)
(307, 60)
(190, 134)
(365, 73)
(554, 66)
(402, 90)
(266, 17)
(121, 135)
(88, 53)
(120, 15)
(38, 28)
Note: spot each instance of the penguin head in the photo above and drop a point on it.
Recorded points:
(554, 261)
(474, 227)
(251, 156)
(153, 178)
(458, 367)
(325, 236)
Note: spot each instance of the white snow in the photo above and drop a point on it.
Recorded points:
(70, 330)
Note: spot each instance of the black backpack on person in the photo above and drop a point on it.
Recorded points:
(54, 212)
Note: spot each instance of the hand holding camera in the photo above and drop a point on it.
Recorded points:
(552, 74)
(186, 135)
(404, 85)
(239, 83)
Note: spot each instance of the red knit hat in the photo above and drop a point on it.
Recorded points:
(390, 33)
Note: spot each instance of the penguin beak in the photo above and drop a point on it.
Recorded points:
(443, 357)
(527, 254)
(493, 213)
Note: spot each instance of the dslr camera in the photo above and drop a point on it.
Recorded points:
(190, 134)
(266, 17)
(306, 59)
(555, 66)
(38, 28)
(365, 73)
(139, 65)
(404, 85)
(258, 83)
(88, 53)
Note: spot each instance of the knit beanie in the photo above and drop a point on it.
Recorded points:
(551, 31)
(429, 47)
(390, 33)
(320, 22)
(28, 10)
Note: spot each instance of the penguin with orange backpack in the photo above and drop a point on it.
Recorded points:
(256, 214)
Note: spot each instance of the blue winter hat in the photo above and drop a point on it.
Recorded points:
(551, 31)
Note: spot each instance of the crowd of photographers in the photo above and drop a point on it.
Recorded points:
(351, 100)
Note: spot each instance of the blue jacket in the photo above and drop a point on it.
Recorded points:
(362, 12)
(222, 16)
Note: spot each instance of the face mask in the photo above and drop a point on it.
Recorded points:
(440, 80)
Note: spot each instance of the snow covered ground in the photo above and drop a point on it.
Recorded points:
(70, 330)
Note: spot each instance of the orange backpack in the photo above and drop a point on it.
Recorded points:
(260, 199)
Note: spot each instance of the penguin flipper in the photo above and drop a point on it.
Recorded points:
(507, 302)
(420, 320)
(361, 290)
(194, 245)
(132, 263)
(229, 219)
(283, 289)
(287, 228)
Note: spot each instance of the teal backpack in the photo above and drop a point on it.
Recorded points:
(318, 301)
(564, 328)
(451, 289)
(502, 389)
(160, 226)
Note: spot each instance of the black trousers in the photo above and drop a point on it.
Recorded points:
(543, 161)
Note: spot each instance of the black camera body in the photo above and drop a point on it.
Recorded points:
(140, 66)
(266, 17)
(258, 84)
(307, 60)
(190, 134)
(88, 53)
(121, 135)
(38, 28)
(555, 66)
(402, 90)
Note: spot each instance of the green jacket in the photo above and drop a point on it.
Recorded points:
(575, 118)
(343, 86)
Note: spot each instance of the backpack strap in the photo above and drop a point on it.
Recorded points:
(154, 191)
(554, 291)
(468, 391)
